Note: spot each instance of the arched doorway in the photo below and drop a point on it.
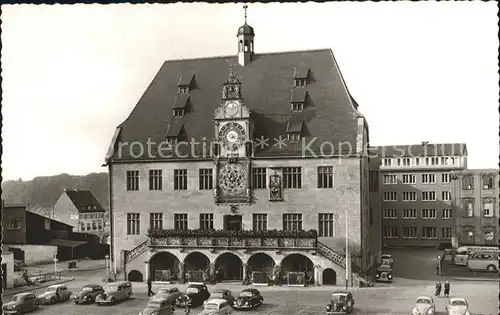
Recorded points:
(164, 267)
(297, 269)
(260, 267)
(135, 276)
(329, 277)
(228, 266)
(196, 267)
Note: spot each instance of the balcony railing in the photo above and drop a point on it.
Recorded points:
(234, 239)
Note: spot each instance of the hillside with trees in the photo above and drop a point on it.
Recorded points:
(41, 193)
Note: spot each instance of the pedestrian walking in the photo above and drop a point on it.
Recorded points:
(150, 292)
(187, 310)
(438, 289)
(447, 289)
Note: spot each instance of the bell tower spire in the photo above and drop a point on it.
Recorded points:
(245, 41)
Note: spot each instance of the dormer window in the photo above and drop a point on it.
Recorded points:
(178, 112)
(300, 75)
(184, 83)
(175, 130)
(300, 82)
(293, 136)
(183, 89)
(297, 107)
(172, 140)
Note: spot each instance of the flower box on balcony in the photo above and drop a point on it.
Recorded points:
(236, 242)
(286, 242)
(270, 242)
(222, 241)
(254, 242)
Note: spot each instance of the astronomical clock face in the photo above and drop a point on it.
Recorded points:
(231, 109)
(233, 179)
(232, 136)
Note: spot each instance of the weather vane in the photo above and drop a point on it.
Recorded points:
(245, 7)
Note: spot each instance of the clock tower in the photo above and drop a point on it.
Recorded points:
(233, 130)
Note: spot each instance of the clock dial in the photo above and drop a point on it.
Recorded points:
(232, 136)
(231, 109)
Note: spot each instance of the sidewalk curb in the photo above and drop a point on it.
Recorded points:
(38, 287)
(477, 279)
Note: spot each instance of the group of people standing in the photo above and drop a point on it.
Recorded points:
(446, 289)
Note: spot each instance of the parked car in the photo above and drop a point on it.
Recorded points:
(217, 307)
(342, 302)
(158, 306)
(457, 306)
(55, 293)
(88, 294)
(21, 303)
(117, 291)
(171, 294)
(384, 274)
(248, 299)
(386, 259)
(424, 306)
(194, 296)
(18, 265)
(224, 294)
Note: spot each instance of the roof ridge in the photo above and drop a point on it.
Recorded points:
(257, 54)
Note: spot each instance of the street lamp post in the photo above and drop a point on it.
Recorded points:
(346, 253)
(55, 266)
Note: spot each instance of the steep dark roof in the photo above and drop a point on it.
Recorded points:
(83, 199)
(298, 95)
(301, 72)
(267, 84)
(175, 126)
(430, 149)
(295, 123)
(181, 101)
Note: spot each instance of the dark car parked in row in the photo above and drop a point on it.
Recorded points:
(88, 294)
(194, 296)
(248, 299)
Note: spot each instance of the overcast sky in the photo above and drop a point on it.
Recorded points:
(71, 74)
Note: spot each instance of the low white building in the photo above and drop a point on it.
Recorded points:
(7, 270)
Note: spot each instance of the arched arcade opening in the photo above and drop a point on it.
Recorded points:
(196, 267)
(260, 268)
(164, 267)
(228, 267)
(297, 269)
(135, 276)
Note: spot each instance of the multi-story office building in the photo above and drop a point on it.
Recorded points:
(416, 192)
(225, 162)
(475, 203)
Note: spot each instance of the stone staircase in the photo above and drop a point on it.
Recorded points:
(137, 251)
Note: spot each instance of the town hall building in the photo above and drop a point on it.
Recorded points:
(251, 167)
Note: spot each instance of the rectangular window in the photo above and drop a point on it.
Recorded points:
(446, 214)
(409, 196)
(373, 181)
(409, 179)
(409, 213)
(429, 214)
(260, 222)
(406, 162)
(446, 233)
(488, 209)
(387, 162)
(390, 214)
(390, 196)
(206, 221)
(428, 196)
(428, 178)
(180, 179)
(399, 162)
(390, 232)
(325, 176)
(132, 180)
(446, 195)
(325, 224)
(487, 182)
(206, 178)
(467, 183)
(292, 221)
(409, 232)
(390, 179)
(15, 224)
(429, 232)
(155, 180)
(300, 82)
(178, 112)
(297, 107)
(293, 136)
(156, 220)
(133, 223)
(292, 177)
(446, 178)
(180, 221)
(468, 208)
(417, 161)
(183, 89)
(259, 178)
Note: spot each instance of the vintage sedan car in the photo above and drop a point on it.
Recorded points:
(457, 306)
(386, 259)
(342, 302)
(384, 274)
(222, 294)
(55, 293)
(248, 298)
(169, 293)
(21, 303)
(194, 296)
(88, 294)
(424, 306)
(158, 306)
(117, 291)
(217, 307)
